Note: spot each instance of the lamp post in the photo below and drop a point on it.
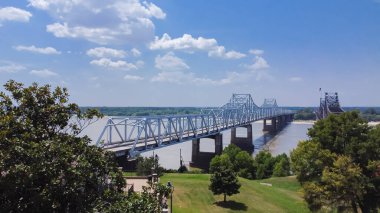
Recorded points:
(170, 185)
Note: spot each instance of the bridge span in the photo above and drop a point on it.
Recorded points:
(128, 136)
(328, 105)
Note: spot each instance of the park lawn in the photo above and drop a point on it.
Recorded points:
(191, 194)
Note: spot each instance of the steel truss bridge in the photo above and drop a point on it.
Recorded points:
(133, 134)
(329, 105)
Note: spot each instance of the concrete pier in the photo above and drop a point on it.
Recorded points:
(202, 159)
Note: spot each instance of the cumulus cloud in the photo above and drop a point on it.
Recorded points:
(295, 79)
(101, 22)
(41, 50)
(189, 43)
(103, 52)
(133, 77)
(110, 64)
(170, 62)
(45, 73)
(259, 63)
(9, 67)
(256, 52)
(14, 14)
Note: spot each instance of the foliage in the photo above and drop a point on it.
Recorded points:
(148, 201)
(305, 114)
(338, 165)
(242, 161)
(44, 165)
(282, 167)
(145, 111)
(149, 165)
(265, 164)
(223, 178)
(182, 169)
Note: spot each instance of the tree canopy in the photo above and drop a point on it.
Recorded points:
(338, 166)
(223, 178)
(44, 165)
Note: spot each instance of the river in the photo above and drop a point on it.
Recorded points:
(281, 142)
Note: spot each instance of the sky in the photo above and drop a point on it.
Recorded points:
(194, 53)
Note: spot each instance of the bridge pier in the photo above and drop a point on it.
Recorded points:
(244, 143)
(277, 123)
(270, 127)
(202, 159)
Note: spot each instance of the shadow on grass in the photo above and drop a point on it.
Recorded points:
(233, 205)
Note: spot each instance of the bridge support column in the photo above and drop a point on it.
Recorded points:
(202, 159)
(272, 127)
(244, 143)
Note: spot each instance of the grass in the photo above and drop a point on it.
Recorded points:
(191, 194)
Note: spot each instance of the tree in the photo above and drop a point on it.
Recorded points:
(244, 165)
(282, 168)
(149, 165)
(343, 153)
(44, 165)
(265, 164)
(223, 179)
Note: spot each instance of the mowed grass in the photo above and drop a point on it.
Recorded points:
(191, 194)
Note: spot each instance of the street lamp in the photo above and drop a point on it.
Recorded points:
(170, 185)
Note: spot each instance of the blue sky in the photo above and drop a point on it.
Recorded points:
(194, 53)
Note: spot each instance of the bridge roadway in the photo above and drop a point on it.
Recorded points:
(134, 134)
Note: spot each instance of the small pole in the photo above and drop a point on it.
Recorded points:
(180, 158)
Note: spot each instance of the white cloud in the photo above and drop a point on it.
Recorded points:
(103, 52)
(108, 63)
(101, 22)
(295, 79)
(133, 77)
(45, 73)
(220, 52)
(14, 14)
(189, 43)
(135, 52)
(11, 67)
(256, 52)
(34, 49)
(170, 62)
(259, 63)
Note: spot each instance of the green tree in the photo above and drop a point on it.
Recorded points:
(338, 142)
(282, 168)
(244, 165)
(223, 178)
(265, 164)
(44, 165)
(232, 150)
(149, 165)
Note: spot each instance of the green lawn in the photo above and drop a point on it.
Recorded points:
(191, 194)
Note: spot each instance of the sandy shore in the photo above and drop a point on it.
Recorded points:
(373, 123)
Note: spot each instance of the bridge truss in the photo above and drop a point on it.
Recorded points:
(329, 105)
(133, 134)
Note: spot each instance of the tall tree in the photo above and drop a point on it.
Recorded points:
(340, 144)
(223, 178)
(44, 165)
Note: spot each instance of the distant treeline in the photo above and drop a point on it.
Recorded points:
(302, 113)
(145, 111)
(307, 113)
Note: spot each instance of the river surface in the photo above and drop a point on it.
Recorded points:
(281, 142)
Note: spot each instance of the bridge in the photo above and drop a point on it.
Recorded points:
(128, 136)
(328, 105)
